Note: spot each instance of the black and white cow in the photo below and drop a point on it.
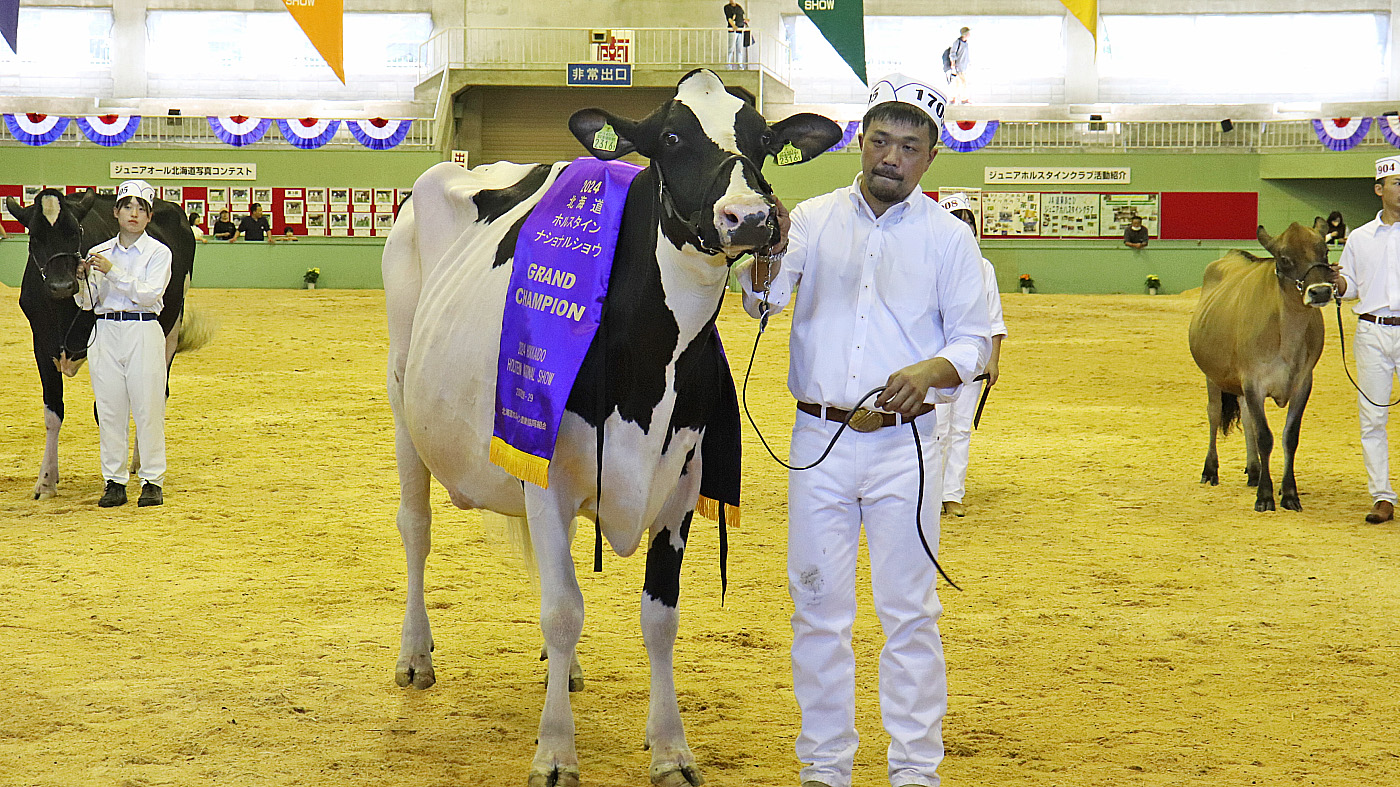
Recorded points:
(61, 230)
(649, 380)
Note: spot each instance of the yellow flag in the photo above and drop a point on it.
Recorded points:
(1087, 12)
(322, 22)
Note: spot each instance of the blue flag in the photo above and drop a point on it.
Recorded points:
(9, 23)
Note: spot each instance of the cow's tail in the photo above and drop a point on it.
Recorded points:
(1229, 412)
(197, 329)
(517, 534)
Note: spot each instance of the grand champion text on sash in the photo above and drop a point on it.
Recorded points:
(563, 260)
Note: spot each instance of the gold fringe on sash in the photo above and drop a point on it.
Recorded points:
(709, 509)
(526, 467)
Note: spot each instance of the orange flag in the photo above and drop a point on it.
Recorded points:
(322, 22)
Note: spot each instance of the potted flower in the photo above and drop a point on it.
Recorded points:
(310, 277)
(1153, 284)
(1027, 284)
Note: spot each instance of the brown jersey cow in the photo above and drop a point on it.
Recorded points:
(1257, 333)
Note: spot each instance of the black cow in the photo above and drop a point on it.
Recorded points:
(61, 230)
(651, 387)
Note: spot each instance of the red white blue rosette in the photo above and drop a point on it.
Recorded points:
(1341, 133)
(378, 133)
(308, 133)
(1390, 129)
(239, 130)
(35, 129)
(965, 136)
(110, 130)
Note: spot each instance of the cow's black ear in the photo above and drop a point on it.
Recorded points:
(22, 215)
(805, 133)
(81, 204)
(603, 134)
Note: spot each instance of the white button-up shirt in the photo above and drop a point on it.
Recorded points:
(989, 283)
(1371, 267)
(876, 295)
(140, 273)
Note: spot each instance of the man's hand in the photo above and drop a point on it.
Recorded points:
(907, 388)
(1334, 277)
(993, 371)
(95, 261)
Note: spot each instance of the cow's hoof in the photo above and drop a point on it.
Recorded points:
(676, 776)
(559, 776)
(1210, 478)
(1267, 504)
(416, 671)
(1291, 503)
(44, 494)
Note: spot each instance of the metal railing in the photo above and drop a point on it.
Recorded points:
(554, 47)
(194, 132)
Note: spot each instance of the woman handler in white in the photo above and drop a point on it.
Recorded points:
(124, 281)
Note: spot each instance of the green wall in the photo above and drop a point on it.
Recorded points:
(1291, 187)
(89, 165)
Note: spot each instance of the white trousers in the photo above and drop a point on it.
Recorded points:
(871, 479)
(127, 367)
(1377, 351)
(738, 53)
(955, 439)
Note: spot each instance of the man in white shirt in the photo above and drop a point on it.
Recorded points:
(123, 280)
(1369, 273)
(891, 295)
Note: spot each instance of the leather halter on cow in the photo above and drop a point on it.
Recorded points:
(1257, 333)
(61, 230)
(650, 391)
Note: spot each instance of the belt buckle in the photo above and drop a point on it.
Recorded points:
(863, 420)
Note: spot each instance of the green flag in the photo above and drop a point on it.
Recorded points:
(842, 22)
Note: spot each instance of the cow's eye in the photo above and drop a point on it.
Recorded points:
(672, 139)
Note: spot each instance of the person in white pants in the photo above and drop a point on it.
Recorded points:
(738, 34)
(123, 280)
(891, 295)
(1369, 273)
(955, 418)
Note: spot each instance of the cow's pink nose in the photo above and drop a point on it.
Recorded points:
(735, 216)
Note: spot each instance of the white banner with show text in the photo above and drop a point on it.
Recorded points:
(182, 170)
(1097, 176)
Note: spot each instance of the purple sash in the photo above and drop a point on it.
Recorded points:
(563, 259)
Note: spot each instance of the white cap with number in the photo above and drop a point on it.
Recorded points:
(954, 202)
(907, 90)
(1390, 165)
(137, 188)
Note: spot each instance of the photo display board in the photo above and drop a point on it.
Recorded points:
(317, 211)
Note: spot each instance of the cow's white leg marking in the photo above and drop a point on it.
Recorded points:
(561, 621)
(47, 485)
(672, 763)
(415, 665)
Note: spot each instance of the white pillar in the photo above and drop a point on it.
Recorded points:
(129, 48)
(1393, 84)
(1081, 69)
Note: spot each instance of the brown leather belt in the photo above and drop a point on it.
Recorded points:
(864, 420)
(1379, 320)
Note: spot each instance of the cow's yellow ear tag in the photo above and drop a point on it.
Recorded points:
(605, 138)
(788, 155)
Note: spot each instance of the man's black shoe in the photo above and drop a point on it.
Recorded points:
(150, 496)
(115, 495)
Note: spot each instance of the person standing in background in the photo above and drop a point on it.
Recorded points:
(123, 280)
(224, 228)
(955, 417)
(254, 226)
(1135, 236)
(957, 66)
(738, 34)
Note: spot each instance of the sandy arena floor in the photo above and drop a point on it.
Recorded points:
(1120, 623)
